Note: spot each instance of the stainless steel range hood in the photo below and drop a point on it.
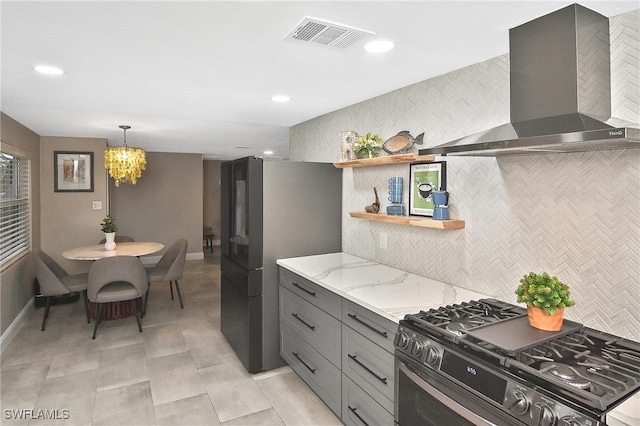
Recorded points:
(560, 92)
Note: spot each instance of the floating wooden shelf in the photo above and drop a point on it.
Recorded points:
(424, 222)
(380, 161)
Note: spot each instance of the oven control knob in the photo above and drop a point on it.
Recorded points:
(417, 347)
(402, 340)
(543, 415)
(516, 402)
(570, 420)
(432, 355)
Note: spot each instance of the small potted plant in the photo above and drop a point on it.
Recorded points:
(367, 146)
(546, 297)
(108, 226)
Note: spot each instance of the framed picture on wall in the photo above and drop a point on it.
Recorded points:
(423, 179)
(72, 171)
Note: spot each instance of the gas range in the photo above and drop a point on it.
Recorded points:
(573, 376)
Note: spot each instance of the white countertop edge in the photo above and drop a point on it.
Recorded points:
(341, 293)
(375, 287)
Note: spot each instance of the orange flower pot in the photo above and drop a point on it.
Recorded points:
(542, 321)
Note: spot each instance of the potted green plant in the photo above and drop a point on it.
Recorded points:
(367, 146)
(545, 297)
(108, 226)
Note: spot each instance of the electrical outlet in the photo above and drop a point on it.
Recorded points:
(97, 205)
(383, 240)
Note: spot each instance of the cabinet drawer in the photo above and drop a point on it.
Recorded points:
(326, 300)
(317, 372)
(371, 325)
(368, 365)
(313, 324)
(359, 408)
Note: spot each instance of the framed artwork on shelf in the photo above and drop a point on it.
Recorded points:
(425, 178)
(72, 171)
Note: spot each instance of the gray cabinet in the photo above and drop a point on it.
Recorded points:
(324, 299)
(342, 350)
(367, 364)
(379, 330)
(312, 324)
(359, 408)
(310, 335)
(322, 376)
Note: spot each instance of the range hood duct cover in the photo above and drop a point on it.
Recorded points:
(560, 90)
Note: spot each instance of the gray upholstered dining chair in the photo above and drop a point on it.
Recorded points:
(169, 268)
(117, 279)
(55, 281)
(119, 239)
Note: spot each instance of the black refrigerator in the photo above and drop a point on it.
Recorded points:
(270, 209)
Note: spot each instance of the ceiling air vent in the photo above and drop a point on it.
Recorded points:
(325, 33)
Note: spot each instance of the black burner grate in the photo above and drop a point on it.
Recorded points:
(452, 321)
(608, 366)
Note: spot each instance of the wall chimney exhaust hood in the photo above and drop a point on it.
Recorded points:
(560, 92)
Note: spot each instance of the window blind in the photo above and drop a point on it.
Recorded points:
(15, 219)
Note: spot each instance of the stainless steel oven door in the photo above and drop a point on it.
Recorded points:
(423, 397)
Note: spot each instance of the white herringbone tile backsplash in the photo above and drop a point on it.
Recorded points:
(574, 215)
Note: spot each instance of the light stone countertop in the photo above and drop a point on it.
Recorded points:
(387, 291)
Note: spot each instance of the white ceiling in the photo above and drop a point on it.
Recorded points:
(198, 77)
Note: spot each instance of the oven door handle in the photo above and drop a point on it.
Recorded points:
(442, 398)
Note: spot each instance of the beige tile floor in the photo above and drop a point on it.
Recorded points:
(179, 371)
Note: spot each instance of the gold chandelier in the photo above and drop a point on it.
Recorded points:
(125, 164)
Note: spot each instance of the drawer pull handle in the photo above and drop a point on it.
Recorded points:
(355, 317)
(313, 293)
(313, 370)
(313, 327)
(353, 410)
(382, 379)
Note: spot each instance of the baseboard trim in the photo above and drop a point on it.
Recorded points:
(16, 324)
(195, 256)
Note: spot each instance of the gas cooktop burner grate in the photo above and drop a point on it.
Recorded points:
(452, 321)
(566, 373)
(598, 367)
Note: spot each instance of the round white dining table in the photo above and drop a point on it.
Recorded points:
(122, 249)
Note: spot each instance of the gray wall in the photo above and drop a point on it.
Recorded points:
(68, 219)
(574, 215)
(211, 196)
(165, 204)
(16, 279)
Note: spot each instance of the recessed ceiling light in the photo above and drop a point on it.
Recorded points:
(44, 69)
(379, 46)
(268, 153)
(280, 98)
